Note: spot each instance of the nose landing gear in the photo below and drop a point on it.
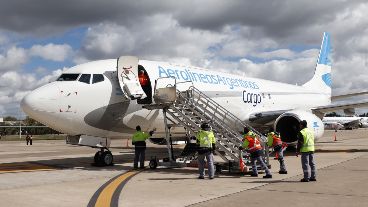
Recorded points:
(103, 157)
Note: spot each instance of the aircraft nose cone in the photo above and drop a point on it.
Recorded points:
(41, 101)
(28, 103)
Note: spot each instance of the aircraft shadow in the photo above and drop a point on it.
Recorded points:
(87, 163)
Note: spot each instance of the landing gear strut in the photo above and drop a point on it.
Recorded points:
(103, 157)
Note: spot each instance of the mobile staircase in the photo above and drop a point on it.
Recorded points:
(189, 107)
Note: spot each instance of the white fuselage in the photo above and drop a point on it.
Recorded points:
(101, 109)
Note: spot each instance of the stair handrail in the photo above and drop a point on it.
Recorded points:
(226, 112)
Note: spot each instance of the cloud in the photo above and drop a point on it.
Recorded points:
(277, 40)
(3, 39)
(158, 36)
(13, 58)
(15, 85)
(106, 40)
(51, 51)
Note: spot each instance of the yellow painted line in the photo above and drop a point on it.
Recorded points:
(105, 197)
(15, 171)
(23, 167)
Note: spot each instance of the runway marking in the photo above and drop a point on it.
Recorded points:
(23, 167)
(108, 194)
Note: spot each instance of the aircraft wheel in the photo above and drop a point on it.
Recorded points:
(218, 168)
(107, 158)
(98, 158)
(153, 164)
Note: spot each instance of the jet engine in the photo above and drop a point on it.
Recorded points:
(287, 124)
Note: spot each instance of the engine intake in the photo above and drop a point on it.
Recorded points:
(287, 124)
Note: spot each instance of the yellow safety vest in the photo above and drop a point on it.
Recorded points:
(206, 138)
(308, 144)
(140, 136)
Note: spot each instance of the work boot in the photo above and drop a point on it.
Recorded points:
(304, 180)
(200, 177)
(282, 172)
(254, 175)
(312, 179)
(267, 176)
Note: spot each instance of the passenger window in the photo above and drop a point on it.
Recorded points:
(97, 78)
(85, 78)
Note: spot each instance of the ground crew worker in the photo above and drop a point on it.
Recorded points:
(139, 141)
(252, 144)
(207, 144)
(306, 148)
(29, 139)
(274, 141)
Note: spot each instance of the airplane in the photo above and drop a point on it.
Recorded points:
(345, 122)
(96, 101)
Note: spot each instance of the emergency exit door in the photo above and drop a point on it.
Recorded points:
(127, 70)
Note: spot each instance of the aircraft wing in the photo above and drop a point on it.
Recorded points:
(342, 106)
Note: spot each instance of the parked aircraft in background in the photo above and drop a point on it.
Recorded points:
(104, 99)
(345, 122)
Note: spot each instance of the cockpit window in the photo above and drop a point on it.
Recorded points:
(97, 78)
(68, 77)
(85, 78)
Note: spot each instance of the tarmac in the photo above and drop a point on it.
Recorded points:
(51, 173)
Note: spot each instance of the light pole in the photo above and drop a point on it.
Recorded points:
(20, 129)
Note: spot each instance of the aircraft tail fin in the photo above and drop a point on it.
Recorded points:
(321, 80)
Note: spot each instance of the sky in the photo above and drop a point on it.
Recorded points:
(270, 39)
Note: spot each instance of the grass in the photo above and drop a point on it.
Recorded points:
(35, 137)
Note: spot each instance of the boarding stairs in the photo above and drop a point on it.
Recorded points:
(190, 107)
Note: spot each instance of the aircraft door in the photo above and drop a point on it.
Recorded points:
(127, 70)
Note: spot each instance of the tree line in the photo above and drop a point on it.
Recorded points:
(13, 123)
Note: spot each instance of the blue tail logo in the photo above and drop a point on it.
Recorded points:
(327, 79)
(325, 54)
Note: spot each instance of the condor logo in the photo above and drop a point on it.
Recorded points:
(252, 98)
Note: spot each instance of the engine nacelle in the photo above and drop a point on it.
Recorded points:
(287, 124)
(349, 111)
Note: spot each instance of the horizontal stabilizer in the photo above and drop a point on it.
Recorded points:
(335, 107)
(333, 98)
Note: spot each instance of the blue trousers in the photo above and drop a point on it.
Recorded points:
(201, 164)
(257, 156)
(278, 150)
(307, 159)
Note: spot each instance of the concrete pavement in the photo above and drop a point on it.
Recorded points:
(70, 180)
(342, 184)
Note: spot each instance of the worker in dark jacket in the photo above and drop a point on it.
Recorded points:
(206, 140)
(139, 141)
(306, 148)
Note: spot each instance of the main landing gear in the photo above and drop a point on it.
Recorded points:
(103, 157)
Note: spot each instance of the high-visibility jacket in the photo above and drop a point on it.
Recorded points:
(308, 143)
(251, 142)
(274, 139)
(205, 139)
(140, 136)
